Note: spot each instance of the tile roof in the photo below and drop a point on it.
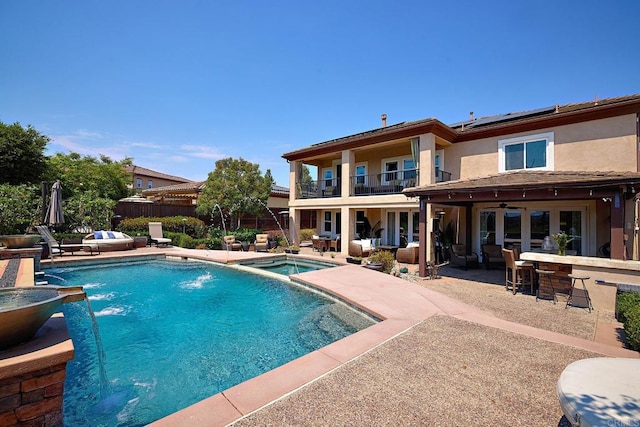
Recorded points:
(138, 170)
(530, 179)
(197, 186)
(470, 129)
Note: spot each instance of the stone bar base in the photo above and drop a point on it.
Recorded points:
(32, 377)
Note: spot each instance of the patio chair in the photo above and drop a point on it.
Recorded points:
(459, 257)
(408, 255)
(335, 244)
(492, 256)
(261, 243)
(56, 248)
(230, 243)
(514, 273)
(318, 245)
(156, 235)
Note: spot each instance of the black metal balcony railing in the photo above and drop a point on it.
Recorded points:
(383, 183)
(442, 176)
(365, 185)
(316, 189)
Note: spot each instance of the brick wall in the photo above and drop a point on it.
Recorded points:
(33, 398)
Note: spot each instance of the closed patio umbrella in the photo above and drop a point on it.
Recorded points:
(636, 231)
(54, 212)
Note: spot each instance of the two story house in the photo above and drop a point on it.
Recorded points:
(509, 179)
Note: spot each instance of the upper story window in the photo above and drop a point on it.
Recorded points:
(149, 184)
(139, 183)
(328, 177)
(526, 152)
(361, 174)
(398, 169)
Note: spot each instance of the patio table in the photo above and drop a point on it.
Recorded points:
(601, 391)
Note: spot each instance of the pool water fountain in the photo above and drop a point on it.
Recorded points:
(24, 310)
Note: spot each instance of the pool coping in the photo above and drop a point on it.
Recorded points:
(400, 304)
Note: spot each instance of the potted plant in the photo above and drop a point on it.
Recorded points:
(354, 260)
(292, 249)
(561, 238)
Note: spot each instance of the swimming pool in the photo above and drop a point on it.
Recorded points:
(287, 266)
(175, 333)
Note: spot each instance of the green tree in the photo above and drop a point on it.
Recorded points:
(91, 187)
(19, 208)
(306, 177)
(237, 186)
(80, 174)
(22, 159)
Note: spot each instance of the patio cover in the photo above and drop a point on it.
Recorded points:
(527, 186)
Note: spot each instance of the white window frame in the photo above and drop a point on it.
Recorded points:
(363, 176)
(400, 161)
(502, 143)
(324, 177)
(327, 221)
(149, 184)
(139, 183)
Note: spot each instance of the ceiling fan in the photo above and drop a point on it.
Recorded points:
(503, 205)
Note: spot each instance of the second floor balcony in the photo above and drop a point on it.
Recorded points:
(365, 185)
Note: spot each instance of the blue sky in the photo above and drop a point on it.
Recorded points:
(179, 84)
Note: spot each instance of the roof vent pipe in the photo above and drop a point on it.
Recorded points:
(383, 117)
(471, 116)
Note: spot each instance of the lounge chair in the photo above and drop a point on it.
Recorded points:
(56, 248)
(408, 255)
(335, 244)
(156, 236)
(460, 258)
(261, 243)
(230, 243)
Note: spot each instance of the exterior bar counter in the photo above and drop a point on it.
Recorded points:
(604, 275)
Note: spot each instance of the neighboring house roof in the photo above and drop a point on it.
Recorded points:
(137, 170)
(482, 127)
(192, 189)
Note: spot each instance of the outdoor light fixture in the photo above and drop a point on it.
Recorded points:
(495, 193)
(524, 194)
(555, 191)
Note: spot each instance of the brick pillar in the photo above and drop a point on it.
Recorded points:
(33, 398)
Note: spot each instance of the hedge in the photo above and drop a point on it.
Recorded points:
(140, 226)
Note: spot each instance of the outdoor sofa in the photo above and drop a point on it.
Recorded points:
(104, 241)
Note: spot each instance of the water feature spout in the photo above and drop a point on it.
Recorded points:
(24, 310)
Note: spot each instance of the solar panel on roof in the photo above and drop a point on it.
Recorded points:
(509, 116)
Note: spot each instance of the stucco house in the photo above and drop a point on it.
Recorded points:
(143, 178)
(509, 179)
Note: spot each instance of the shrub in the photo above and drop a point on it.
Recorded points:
(632, 327)
(245, 234)
(386, 258)
(307, 234)
(192, 226)
(625, 302)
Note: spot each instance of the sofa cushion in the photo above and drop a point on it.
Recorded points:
(366, 244)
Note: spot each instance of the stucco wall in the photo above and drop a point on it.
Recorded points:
(605, 144)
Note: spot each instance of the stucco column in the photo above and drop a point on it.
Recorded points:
(348, 161)
(293, 169)
(294, 226)
(426, 237)
(427, 155)
(345, 229)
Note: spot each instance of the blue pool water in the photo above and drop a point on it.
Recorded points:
(287, 267)
(174, 333)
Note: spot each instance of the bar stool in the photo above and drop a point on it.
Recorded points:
(545, 285)
(579, 297)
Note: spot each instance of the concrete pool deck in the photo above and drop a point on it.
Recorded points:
(412, 316)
